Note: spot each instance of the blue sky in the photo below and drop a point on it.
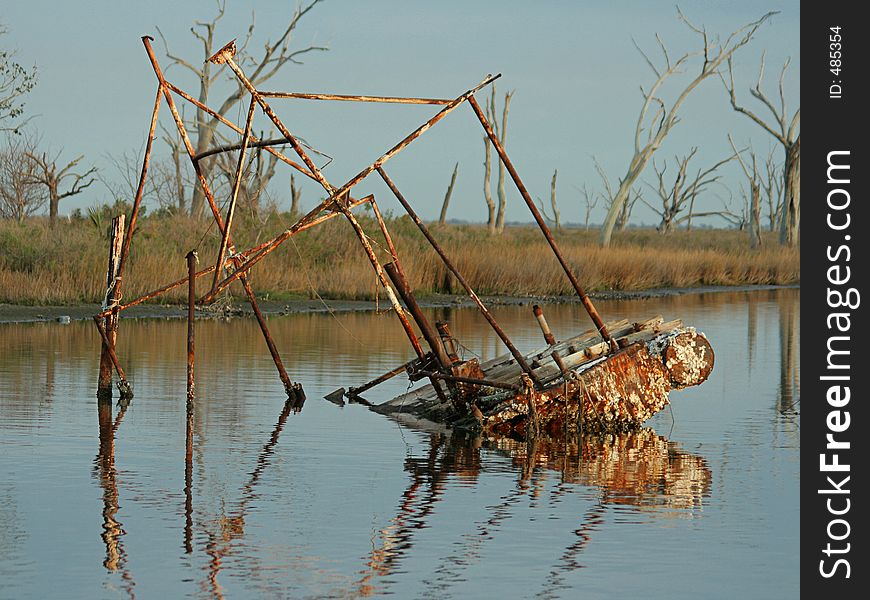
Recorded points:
(572, 65)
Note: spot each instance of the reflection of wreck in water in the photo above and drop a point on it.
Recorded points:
(640, 470)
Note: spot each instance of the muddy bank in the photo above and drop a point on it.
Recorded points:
(12, 313)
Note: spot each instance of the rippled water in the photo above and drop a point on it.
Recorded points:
(243, 498)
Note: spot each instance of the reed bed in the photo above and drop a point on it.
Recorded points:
(66, 265)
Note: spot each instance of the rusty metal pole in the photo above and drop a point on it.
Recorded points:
(191, 315)
(294, 390)
(116, 242)
(545, 327)
(587, 303)
(521, 361)
(429, 334)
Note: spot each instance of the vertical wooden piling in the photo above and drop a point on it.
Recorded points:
(116, 243)
(545, 328)
(191, 315)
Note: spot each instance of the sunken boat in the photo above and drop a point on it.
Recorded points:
(613, 377)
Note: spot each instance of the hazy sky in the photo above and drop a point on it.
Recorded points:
(572, 65)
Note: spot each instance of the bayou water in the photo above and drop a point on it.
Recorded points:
(240, 497)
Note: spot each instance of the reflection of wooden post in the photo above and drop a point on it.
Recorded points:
(104, 382)
(191, 311)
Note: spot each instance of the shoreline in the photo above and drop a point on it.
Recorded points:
(14, 313)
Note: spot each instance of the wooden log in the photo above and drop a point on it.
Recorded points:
(116, 244)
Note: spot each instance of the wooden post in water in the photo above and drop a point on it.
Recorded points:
(191, 313)
(116, 243)
(542, 322)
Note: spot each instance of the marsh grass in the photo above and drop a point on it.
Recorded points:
(67, 265)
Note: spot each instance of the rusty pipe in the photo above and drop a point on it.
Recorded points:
(584, 299)
(350, 98)
(191, 316)
(542, 322)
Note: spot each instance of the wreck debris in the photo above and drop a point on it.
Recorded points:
(610, 378)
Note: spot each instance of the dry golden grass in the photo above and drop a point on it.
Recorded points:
(67, 265)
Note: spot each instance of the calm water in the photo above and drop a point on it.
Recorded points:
(330, 502)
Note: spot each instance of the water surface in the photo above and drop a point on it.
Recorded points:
(240, 497)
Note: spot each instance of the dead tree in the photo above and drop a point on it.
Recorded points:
(624, 214)
(656, 118)
(556, 216)
(753, 178)
(443, 218)
(590, 201)
(47, 173)
(678, 198)
(274, 57)
(15, 82)
(501, 134)
(20, 194)
(487, 186)
(295, 195)
(785, 131)
(772, 183)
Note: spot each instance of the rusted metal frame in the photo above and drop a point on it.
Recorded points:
(226, 55)
(429, 333)
(235, 128)
(362, 174)
(206, 271)
(237, 182)
(584, 299)
(521, 361)
(191, 316)
(473, 381)
(213, 206)
(123, 385)
(351, 98)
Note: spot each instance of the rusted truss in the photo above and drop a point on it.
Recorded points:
(438, 363)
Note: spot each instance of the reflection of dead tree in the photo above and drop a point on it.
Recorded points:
(789, 359)
(754, 196)
(443, 218)
(495, 221)
(275, 55)
(786, 133)
(656, 119)
(679, 197)
(47, 173)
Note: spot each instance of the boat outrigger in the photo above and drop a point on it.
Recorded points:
(610, 378)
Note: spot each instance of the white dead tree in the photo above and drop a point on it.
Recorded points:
(772, 183)
(590, 201)
(752, 196)
(623, 214)
(274, 57)
(678, 198)
(656, 118)
(785, 131)
(496, 218)
(443, 217)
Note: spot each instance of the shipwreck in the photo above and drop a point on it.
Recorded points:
(611, 378)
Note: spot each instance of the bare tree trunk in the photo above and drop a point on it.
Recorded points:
(556, 217)
(791, 209)
(443, 218)
(295, 193)
(502, 195)
(755, 216)
(487, 186)
(179, 181)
